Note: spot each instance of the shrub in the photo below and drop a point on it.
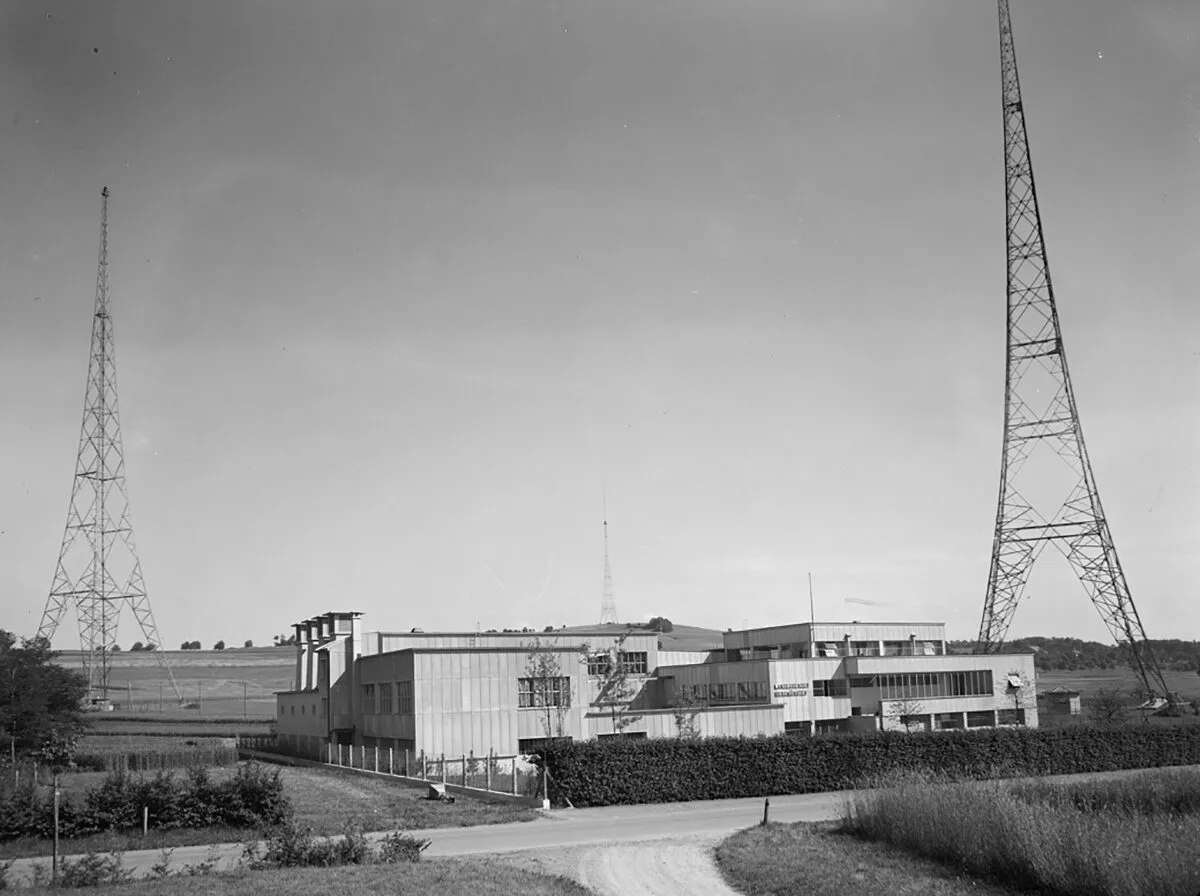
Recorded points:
(93, 870)
(621, 771)
(290, 846)
(253, 798)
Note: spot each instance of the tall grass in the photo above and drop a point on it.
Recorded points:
(1124, 837)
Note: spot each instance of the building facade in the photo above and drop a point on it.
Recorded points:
(455, 693)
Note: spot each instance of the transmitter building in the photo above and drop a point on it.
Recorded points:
(456, 693)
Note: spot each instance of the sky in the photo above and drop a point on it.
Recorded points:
(405, 294)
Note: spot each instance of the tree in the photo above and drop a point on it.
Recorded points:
(1107, 705)
(220, 645)
(248, 643)
(1014, 685)
(906, 711)
(660, 624)
(549, 689)
(150, 645)
(40, 701)
(686, 707)
(138, 645)
(190, 645)
(617, 688)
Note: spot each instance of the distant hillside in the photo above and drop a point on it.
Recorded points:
(1072, 654)
(680, 637)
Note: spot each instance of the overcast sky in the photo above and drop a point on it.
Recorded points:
(400, 287)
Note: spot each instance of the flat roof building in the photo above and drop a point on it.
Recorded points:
(454, 693)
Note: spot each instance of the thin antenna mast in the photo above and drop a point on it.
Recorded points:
(608, 607)
(812, 611)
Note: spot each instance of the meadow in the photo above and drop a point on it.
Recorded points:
(1123, 835)
(231, 683)
(324, 800)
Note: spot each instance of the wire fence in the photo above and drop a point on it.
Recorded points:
(508, 774)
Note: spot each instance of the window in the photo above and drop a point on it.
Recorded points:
(368, 700)
(293, 709)
(632, 663)
(404, 698)
(827, 726)
(324, 706)
(1010, 717)
(864, 648)
(944, 720)
(543, 692)
(831, 687)
(856, 710)
(797, 729)
(828, 649)
(862, 681)
(385, 698)
(281, 710)
(314, 709)
(919, 685)
(897, 648)
(981, 719)
(301, 709)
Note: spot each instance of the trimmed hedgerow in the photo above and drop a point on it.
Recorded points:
(622, 771)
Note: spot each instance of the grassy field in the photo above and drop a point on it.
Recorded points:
(445, 877)
(323, 799)
(1123, 836)
(227, 683)
(1089, 681)
(815, 860)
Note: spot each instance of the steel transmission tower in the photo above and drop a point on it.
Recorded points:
(608, 607)
(98, 568)
(1040, 415)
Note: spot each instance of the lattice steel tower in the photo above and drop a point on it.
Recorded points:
(608, 607)
(1040, 415)
(98, 568)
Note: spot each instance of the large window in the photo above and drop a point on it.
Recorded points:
(543, 692)
(864, 648)
(731, 692)
(632, 663)
(919, 685)
(368, 699)
(385, 698)
(404, 698)
(831, 687)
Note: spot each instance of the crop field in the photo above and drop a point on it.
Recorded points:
(229, 683)
(1089, 681)
(1122, 836)
(151, 753)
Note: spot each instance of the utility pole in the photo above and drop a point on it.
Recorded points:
(1041, 423)
(98, 570)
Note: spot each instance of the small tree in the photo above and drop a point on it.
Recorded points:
(617, 688)
(1015, 686)
(905, 711)
(150, 645)
(248, 643)
(138, 645)
(686, 707)
(660, 624)
(220, 645)
(550, 690)
(1107, 706)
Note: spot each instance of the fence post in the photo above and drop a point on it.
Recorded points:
(464, 762)
(443, 765)
(391, 762)
(376, 757)
(514, 776)
(424, 768)
(487, 771)
(406, 762)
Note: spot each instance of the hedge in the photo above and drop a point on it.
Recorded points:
(620, 771)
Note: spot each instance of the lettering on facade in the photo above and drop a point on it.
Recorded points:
(790, 689)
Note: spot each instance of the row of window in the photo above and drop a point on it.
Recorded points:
(377, 698)
(543, 692)
(632, 663)
(731, 692)
(975, 683)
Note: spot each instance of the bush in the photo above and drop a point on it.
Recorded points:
(289, 846)
(623, 771)
(253, 798)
